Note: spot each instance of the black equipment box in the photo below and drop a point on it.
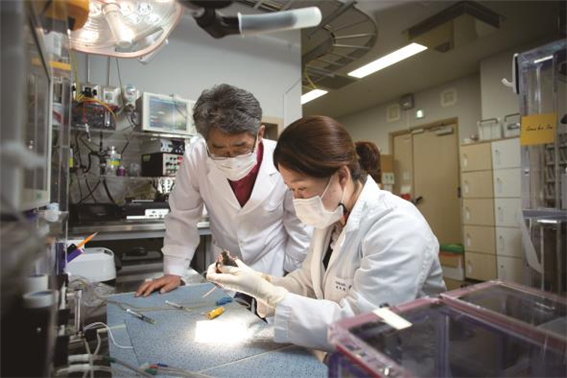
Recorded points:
(161, 164)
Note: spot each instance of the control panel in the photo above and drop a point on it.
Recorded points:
(161, 164)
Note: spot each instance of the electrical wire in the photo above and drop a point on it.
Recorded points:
(88, 349)
(308, 78)
(121, 86)
(86, 368)
(108, 191)
(90, 358)
(98, 343)
(101, 324)
(75, 71)
(90, 194)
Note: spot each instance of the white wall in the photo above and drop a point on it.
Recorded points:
(371, 124)
(496, 99)
(269, 66)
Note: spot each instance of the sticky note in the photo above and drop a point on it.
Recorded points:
(391, 318)
(538, 129)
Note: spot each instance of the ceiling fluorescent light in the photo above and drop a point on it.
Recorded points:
(388, 60)
(312, 95)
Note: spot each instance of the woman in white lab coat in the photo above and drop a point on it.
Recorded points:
(369, 249)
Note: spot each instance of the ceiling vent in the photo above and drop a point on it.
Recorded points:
(345, 34)
(455, 26)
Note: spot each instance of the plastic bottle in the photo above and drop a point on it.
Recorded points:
(112, 161)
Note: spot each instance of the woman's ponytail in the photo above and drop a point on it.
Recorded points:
(369, 159)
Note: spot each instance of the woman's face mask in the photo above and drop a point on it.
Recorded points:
(312, 212)
(237, 167)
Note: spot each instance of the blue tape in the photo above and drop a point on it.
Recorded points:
(223, 300)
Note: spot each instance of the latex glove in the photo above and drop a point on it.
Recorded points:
(247, 269)
(264, 310)
(247, 281)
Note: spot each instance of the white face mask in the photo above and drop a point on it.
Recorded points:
(235, 168)
(312, 212)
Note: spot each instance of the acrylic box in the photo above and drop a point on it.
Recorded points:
(518, 307)
(443, 341)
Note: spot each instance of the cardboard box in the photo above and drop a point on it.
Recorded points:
(452, 284)
(387, 163)
(453, 265)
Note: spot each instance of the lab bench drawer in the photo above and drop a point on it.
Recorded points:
(477, 184)
(476, 157)
(479, 212)
(479, 266)
(510, 269)
(509, 242)
(507, 183)
(507, 212)
(480, 239)
(506, 154)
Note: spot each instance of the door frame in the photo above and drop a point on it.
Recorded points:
(431, 125)
(426, 126)
(445, 122)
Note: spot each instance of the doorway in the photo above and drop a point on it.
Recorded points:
(426, 171)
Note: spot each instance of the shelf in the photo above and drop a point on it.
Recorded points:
(130, 132)
(114, 177)
(550, 214)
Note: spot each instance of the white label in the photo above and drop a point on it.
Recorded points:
(342, 284)
(392, 319)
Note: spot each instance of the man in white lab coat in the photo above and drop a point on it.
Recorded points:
(231, 172)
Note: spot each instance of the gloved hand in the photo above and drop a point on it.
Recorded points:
(247, 269)
(246, 280)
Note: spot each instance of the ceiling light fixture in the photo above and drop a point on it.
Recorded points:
(388, 60)
(126, 28)
(312, 95)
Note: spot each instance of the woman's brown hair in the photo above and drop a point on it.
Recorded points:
(318, 146)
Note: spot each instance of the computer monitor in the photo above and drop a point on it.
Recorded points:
(166, 114)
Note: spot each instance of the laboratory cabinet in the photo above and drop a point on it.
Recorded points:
(480, 238)
(479, 212)
(480, 266)
(509, 268)
(478, 184)
(476, 157)
(491, 190)
(507, 212)
(507, 183)
(509, 242)
(506, 153)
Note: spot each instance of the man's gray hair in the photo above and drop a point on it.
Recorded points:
(229, 109)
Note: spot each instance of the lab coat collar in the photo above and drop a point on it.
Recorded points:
(320, 240)
(353, 223)
(368, 190)
(266, 180)
(220, 183)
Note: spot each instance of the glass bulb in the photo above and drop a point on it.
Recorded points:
(94, 10)
(126, 8)
(134, 18)
(89, 35)
(153, 19)
(145, 8)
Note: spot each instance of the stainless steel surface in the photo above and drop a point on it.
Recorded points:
(130, 230)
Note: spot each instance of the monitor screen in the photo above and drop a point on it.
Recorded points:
(169, 114)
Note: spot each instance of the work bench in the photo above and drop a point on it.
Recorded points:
(235, 344)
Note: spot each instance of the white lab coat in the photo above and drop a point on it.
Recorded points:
(386, 253)
(265, 233)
